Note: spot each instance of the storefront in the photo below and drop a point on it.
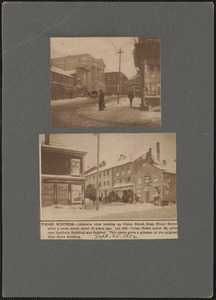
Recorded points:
(64, 190)
(125, 192)
(62, 178)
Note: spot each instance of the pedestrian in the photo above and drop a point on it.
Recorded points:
(131, 96)
(101, 101)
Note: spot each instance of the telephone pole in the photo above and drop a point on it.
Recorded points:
(119, 74)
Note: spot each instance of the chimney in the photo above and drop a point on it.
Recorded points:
(149, 155)
(47, 139)
(158, 151)
(164, 162)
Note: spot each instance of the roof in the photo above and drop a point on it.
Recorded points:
(60, 148)
(167, 168)
(60, 71)
(118, 163)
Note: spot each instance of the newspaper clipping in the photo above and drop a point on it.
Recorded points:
(107, 186)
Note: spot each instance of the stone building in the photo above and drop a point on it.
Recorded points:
(62, 174)
(90, 71)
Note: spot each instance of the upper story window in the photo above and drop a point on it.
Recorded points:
(107, 172)
(108, 182)
(75, 167)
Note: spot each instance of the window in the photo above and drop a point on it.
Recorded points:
(104, 173)
(93, 177)
(75, 166)
(129, 179)
(99, 184)
(120, 180)
(107, 172)
(108, 182)
(99, 175)
(104, 183)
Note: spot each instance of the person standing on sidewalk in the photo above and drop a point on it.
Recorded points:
(101, 101)
(131, 96)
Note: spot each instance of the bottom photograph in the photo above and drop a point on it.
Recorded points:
(108, 186)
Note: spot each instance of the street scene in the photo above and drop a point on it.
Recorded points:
(108, 176)
(105, 82)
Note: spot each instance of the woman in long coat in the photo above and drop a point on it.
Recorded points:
(101, 100)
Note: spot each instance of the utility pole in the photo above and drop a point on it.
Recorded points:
(119, 74)
(97, 184)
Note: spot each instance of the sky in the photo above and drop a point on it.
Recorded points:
(112, 145)
(99, 47)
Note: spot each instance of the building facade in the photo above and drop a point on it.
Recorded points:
(156, 184)
(147, 60)
(90, 71)
(112, 83)
(62, 175)
(142, 178)
(118, 177)
(62, 84)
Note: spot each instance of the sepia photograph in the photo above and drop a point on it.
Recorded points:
(108, 176)
(105, 82)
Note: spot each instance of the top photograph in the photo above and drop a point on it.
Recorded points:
(105, 82)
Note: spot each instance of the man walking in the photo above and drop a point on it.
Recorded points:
(131, 96)
(101, 101)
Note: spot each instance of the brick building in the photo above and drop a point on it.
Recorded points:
(143, 178)
(90, 71)
(62, 175)
(118, 177)
(156, 184)
(111, 83)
